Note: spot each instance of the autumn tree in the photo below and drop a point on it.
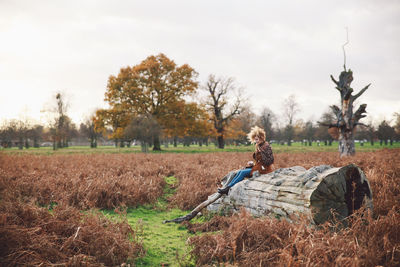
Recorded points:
(197, 122)
(186, 120)
(346, 120)
(152, 88)
(116, 118)
(219, 93)
(239, 126)
(235, 131)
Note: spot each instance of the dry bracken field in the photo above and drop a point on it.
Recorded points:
(75, 185)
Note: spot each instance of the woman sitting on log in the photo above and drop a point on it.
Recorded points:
(263, 157)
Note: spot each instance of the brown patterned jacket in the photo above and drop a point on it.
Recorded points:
(264, 159)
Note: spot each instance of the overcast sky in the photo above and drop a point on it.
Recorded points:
(272, 48)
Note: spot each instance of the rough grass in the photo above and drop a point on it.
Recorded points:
(368, 241)
(80, 181)
(33, 236)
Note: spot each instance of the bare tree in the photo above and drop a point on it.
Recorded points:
(290, 109)
(346, 120)
(61, 126)
(219, 92)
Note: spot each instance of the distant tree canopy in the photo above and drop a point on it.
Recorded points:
(385, 132)
(156, 87)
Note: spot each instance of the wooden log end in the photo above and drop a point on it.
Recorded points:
(341, 194)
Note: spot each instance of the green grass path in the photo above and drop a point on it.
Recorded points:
(163, 243)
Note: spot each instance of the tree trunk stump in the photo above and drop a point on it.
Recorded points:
(316, 193)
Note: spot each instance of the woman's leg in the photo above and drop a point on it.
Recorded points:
(240, 176)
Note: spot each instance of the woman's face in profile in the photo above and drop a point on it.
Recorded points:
(258, 140)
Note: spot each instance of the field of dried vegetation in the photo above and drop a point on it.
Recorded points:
(47, 203)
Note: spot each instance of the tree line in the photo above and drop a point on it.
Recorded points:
(158, 102)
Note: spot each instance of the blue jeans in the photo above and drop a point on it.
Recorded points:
(240, 176)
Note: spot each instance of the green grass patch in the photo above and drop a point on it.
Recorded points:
(163, 243)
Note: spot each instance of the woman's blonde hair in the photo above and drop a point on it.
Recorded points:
(256, 131)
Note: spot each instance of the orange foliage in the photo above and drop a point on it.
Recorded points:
(156, 87)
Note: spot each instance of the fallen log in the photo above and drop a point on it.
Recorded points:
(318, 193)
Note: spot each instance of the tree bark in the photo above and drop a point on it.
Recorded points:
(156, 143)
(346, 143)
(315, 193)
(346, 120)
(194, 212)
(221, 142)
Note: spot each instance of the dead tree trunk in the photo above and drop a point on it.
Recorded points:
(194, 212)
(346, 120)
(317, 193)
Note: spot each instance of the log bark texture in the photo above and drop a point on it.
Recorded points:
(316, 193)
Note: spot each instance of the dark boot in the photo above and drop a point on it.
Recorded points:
(224, 190)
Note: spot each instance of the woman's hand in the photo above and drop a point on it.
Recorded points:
(250, 164)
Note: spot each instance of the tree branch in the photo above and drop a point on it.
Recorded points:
(361, 124)
(361, 92)
(327, 124)
(359, 113)
(337, 84)
(336, 110)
